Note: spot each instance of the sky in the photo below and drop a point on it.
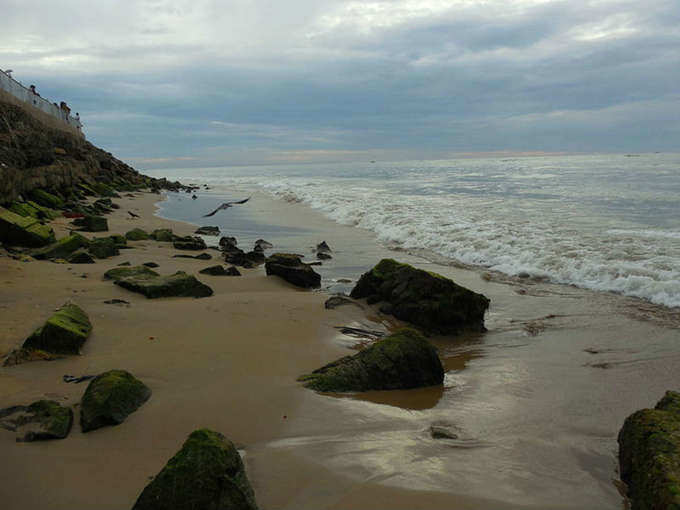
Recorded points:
(175, 83)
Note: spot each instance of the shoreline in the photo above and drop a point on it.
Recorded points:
(229, 362)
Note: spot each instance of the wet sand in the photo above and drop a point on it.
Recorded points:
(536, 414)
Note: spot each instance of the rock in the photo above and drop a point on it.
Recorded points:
(340, 300)
(63, 333)
(649, 455)
(62, 248)
(110, 398)
(126, 263)
(23, 230)
(263, 244)
(136, 234)
(92, 224)
(46, 199)
(34, 210)
(125, 272)
(256, 258)
(44, 419)
(207, 473)
(289, 267)
(226, 242)
(220, 271)
(162, 234)
(179, 284)
(426, 299)
(323, 256)
(202, 256)
(208, 231)
(80, 257)
(121, 241)
(323, 247)
(150, 264)
(189, 243)
(442, 432)
(402, 360)
(103, 247)
(116, 302)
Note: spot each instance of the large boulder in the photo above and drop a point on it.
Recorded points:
(44, 419)
(110, 398)
(104, 247)
(425, 299)
(64, 332)
(92, 224)
(189, 243)
(207, 473)
(403, 360)
(649, 455)
(289, 267)
(179, 284)
(62, 248)
(136, 234)
(80, 257)
(23, 230)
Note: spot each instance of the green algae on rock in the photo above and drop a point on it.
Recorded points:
(103, 247)
(189, 243)
(110, 398)
(179, 284)
(403, 360)
(124, 272)
(92, 223)
(46, 199)
(425, 299)
(80, 257)
(649, 455)
(207, 473)
(136, 234)
(62, 248)
(162, 234)
(34, 210)
(63, 333)
(23, 230)
(42, 420)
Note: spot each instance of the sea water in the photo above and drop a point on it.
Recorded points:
(602, 222)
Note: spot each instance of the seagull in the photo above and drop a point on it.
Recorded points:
(226, 205)
(133, 214)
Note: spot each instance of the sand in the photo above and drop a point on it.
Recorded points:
(229, 362)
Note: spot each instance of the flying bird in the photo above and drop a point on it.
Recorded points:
(226, 205)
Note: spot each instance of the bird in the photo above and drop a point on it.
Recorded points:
(226, 205)
(133, 214)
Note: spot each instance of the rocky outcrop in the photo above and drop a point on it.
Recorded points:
(136, 234)
(425, 299)
(110, 398)
(289, 267)
(42, 420)
(649, 455)
(62, 248)
(402, 360)
(64, 332)
(189, 243)
(23, 230)
(179, 284)
(207, 473)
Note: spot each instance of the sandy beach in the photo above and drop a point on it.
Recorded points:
(229, 362)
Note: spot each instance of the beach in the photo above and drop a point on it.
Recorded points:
(537, 400)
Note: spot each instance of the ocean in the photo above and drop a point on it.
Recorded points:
(602, 222)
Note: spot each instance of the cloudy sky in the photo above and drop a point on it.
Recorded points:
(168, 83)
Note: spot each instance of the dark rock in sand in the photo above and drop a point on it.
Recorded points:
(80, 257)
(289, 267)
(116, 302)
(162, 234)
(265, 245)
(207, 473)
(62, 248)
(150, 264)
(323, 247)
(323, 256)
(442, 432)
(92, 224)
(220, 271)
(339, 300)
(110, 398)
(189, 243)
(125, 272)
(226, 242)
(402, 360)
(136, 234)
(63, 333)
(126, 263)
(103, 247)
(208, 231)
(42, 420)
(23, 230)
(179, 284)
(649, 455)
(202, 256)
(426, 299)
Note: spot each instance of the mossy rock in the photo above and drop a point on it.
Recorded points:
(207, 473)
(139, 272)
(402, 360)
(62, 248)
(63, 333)
(80, 257)
(42, 420)
(46, 199)
(33, 210)
(23, 230)
(92, 224)
(110, 398)
(103, 247)
(120, 240)
(649, 455)
(189, 243)
(104, 190)
(136, 234)
(162, 234)
(289, 267)
(426, 299)
(179, 284)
